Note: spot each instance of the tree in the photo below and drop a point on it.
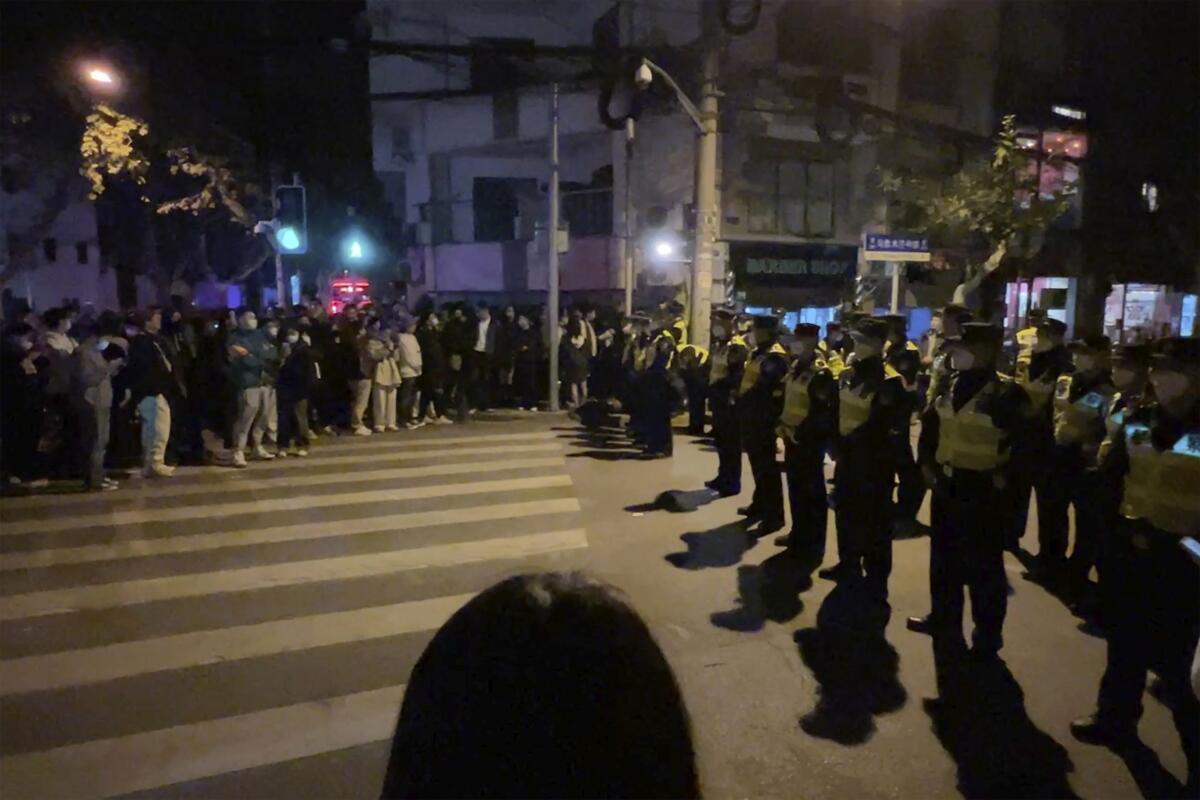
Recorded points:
(993, 209)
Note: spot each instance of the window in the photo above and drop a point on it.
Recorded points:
(81, 252)
(50, 250)
(496, 203)
(791, 197)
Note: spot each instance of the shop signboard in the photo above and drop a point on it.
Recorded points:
(785, 265)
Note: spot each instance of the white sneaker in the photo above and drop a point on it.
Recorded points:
(392, 428)
(261, 454)
(239, 459)
(158, 471)
(362, 430)
(443, 421)
(281, 453)
(411, 426)
(300, 452)
(378, 429)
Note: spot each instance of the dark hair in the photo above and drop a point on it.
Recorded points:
(543, 686)
(54, 317)
(574, 326)
(17, 329)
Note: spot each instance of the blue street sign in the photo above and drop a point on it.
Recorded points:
(895, 247)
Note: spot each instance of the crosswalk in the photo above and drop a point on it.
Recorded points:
(226, 631)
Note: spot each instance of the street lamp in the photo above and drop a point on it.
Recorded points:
(100, 76)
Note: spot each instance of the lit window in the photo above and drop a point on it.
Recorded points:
(1150, 196)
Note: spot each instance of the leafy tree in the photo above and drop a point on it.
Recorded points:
(993, 208)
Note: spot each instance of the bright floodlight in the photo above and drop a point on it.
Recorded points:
(356, 249)
(288, 238)
(100, 76)
(664, 249)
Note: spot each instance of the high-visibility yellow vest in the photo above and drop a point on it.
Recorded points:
(854, 409)
(1026, 339)
(1160, 487)
(754, 367)
(641, 355)
(795, 400)
(1078, 422)
(720, 359)
(680, 329)
(967, 438)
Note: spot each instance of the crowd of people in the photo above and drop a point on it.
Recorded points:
(91, 395)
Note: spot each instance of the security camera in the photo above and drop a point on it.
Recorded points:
(643, 76)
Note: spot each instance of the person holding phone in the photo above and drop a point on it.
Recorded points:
(1153, 619)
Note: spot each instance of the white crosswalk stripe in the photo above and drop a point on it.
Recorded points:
(183, 631)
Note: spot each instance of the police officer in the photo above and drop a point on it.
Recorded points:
(1081, 403)
(905, 362)
(759, 405)
(661, 393)
(1151, 584)
(830, 348)
(1026, 340)
(1050, 361)
(809, 414)
(694, 367)
(727, 363)
(954, 317)
(638, 350)
(870, 408)
(965, 449)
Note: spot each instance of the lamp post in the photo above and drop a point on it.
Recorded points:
(704, 118)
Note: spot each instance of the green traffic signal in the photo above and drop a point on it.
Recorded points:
(288, 238)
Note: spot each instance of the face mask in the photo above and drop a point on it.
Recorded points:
(293, 338)
(962, 360)
(272, 332)
(1169, 385)
(1084, 362)
(800, 348)
(26, 345)
(306, 339)
(101, 345)
(524, 324)
(1124, 378)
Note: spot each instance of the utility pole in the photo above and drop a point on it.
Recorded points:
(628, 250)
(706, 185)
(552, 304)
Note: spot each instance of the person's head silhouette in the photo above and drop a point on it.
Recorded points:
(543, 686)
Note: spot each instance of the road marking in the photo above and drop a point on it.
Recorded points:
(154, 759)
(233, 484)
(401, 442)
(198, 648)
(402, 454)
(285, 533)
(124, 593)
(145, 516)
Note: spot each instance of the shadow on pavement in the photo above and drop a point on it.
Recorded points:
(981, 721)
(854, 664)
(768, 591)
(723, 546)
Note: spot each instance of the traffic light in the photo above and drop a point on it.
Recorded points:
(291, 236)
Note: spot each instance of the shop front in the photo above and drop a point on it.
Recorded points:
(809, 280)
(1138, 312)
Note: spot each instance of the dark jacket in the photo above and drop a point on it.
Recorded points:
(149, 370)
(299, 370)
(248, 371)
(433, 356)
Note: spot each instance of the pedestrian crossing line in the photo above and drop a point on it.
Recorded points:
(233, 484)
(401, 441)
(72, 668)
(193, 543)
(155, 759)
(152, 515)
(400, 454)
(127, 593)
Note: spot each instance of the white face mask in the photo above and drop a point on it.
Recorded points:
(250, 324)
(1169, 385)
(1084, 362)
(307, 340)
(962, 359)
(101, 345)
(293, 338)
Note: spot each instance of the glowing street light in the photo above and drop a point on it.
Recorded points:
(97, 75)
(664, 249)
(356, 249)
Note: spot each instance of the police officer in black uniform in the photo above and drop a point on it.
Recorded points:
(759, 404)
(638, 352)
(871, 407)
(1050, 361)
(965, 450)
(1150, 583)
(805, 425)
(726, 364)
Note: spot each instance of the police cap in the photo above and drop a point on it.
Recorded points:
(897, 323)
(1092, 341)
(871, 328)
(830, 327)
(723, 312)
(1133, 355)
(806, 330)
(977, 333)
(1178, 352)
(1052, 325)
(766, 322)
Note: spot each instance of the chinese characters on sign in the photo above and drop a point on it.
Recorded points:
(895, 247)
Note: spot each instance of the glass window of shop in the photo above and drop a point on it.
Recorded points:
(1139, 312)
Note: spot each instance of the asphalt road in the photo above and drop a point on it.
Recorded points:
(248, 633)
